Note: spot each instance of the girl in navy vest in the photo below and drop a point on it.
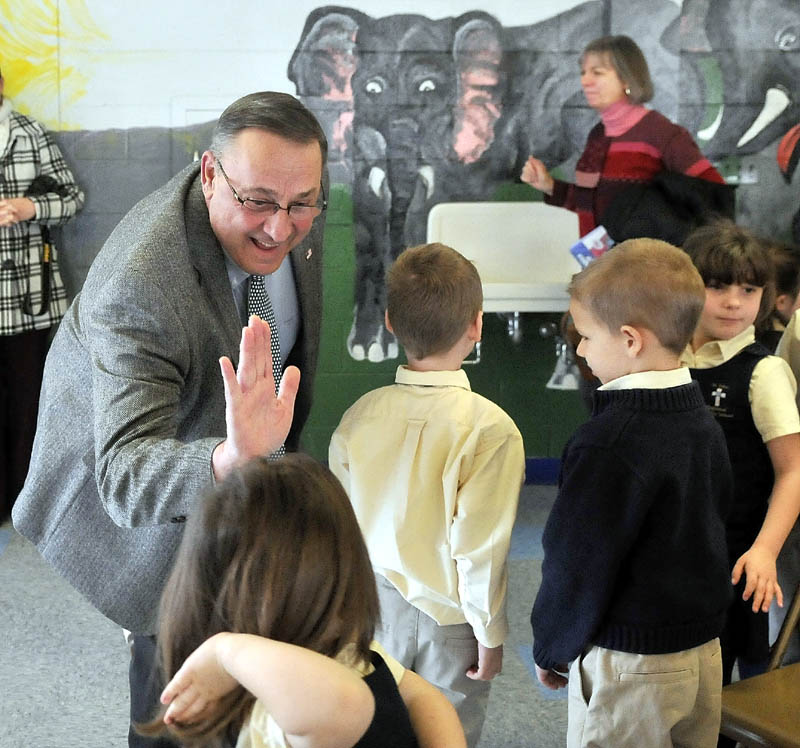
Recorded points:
(752, 395)
(267, 620)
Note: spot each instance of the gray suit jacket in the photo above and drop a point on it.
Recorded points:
(132, 401)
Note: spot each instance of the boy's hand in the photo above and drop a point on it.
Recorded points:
(200, 682)
(758, 566)
(490, 663)
(550, 678)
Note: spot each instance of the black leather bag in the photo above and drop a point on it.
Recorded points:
(668, 208)
(41, 185)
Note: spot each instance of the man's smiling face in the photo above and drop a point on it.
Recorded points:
(262, 166)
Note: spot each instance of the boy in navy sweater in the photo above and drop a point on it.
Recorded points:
(635, 580)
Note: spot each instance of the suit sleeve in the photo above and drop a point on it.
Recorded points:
(594, 522)
(146, 472)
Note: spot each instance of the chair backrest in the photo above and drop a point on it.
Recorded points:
(788, 626)
(521, 250)
(509, 242)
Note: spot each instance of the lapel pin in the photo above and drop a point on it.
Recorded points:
(309, 253)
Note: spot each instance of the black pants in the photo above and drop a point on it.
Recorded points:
(146, 687)
(21, 365)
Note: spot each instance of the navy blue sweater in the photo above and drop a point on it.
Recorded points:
(635, 557)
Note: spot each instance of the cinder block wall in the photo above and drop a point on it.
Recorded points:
(713, 62)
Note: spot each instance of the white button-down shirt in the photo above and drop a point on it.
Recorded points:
(434, 471)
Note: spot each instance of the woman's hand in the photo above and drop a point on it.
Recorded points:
(536, 175)
(16, 209)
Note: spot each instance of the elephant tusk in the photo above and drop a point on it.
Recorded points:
(775, 102)
(376, 179)
(426, 172)
(709, 132)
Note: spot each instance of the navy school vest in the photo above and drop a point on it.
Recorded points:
(725, 390)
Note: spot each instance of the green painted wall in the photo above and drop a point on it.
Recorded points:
(512, 375)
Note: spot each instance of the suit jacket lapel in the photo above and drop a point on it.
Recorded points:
(206, 256)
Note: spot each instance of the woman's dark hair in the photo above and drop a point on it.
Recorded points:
(726, 253)
(629, 61)
(786, 263)
(274, 551)
(786, 259)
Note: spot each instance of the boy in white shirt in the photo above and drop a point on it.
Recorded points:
(433, 471)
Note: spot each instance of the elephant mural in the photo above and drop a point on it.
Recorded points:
(741, 60)
(755, 47)
(403, 85)
(422, 111)
(428, 123)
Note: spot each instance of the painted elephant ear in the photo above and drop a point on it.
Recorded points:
(478, 52)
(687, 33)
(322, 68)
(324, 61)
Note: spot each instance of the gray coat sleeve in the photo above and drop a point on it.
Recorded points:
(142, 374)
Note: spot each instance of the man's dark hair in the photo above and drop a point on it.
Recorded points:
(277, 113)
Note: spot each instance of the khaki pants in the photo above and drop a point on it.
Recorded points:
(623, 700)
(440, 654)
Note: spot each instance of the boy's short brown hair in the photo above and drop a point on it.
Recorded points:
(726, 253)
(433, 295)
(644, 283)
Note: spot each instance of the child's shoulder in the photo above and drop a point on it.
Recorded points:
(378, 394)
(488, 411)
(774, 369)
(371, 404)
(635, 430)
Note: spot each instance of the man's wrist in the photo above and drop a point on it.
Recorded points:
(221, 461)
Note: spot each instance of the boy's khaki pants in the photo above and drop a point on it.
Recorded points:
(440, 654)
(624, 700)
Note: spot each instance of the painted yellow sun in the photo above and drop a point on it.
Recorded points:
(35, 44)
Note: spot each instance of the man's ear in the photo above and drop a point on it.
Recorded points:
(386, 321)
(634, 340)
(208, 170)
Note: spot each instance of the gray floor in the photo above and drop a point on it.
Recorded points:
(63, 666)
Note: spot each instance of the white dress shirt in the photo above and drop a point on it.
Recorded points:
(434, 471)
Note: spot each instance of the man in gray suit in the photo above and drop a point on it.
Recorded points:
(141, 406)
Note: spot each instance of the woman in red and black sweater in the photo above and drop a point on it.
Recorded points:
(629, 146)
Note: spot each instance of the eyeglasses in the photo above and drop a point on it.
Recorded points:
(297, 211)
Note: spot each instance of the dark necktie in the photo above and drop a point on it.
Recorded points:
(258, 303)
